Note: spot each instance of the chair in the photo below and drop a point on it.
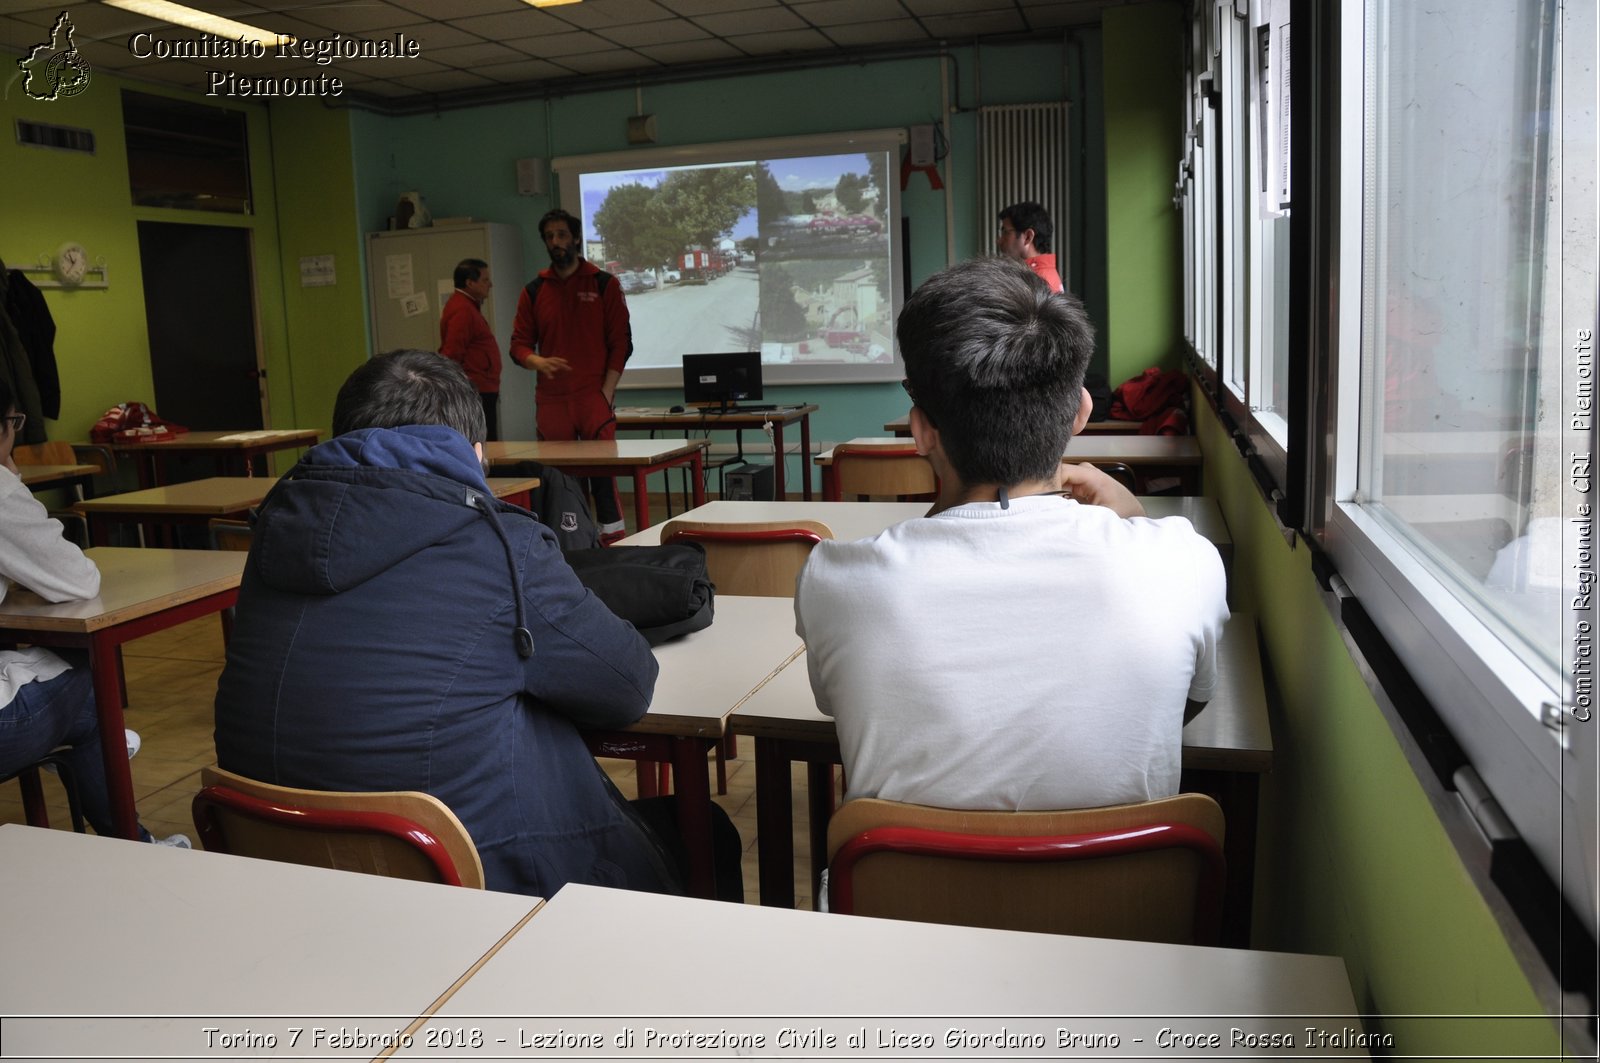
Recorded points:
(33, 805)
(399, 834)
(229, 534)
(1144, 872)
(55, 452)
(757, 558)
(1121, 472)
(864, 470)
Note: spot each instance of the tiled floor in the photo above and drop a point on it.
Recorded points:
(172, 679)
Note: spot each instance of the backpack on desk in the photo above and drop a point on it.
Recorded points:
(560, 505)
(663, 591)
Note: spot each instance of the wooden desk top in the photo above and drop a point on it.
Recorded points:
(505, 486)
(662, 417)
(204, 934)
(264, 438)
(134, 582)
(858, 520)
(707, 674)
(44, 475)
(816, 971)
(1232, 733)
(619, 452)
(214, 496)
(901, 426)
(1129, 449)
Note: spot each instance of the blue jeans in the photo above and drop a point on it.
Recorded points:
(55, 712)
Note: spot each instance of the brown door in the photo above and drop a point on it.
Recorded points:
(199, 303)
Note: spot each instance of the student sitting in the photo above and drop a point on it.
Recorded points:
(400, 629)
(1034, 642)
(47, 699)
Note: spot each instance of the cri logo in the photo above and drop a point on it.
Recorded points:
(55, 69)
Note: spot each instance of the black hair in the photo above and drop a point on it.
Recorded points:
(996, 360)
(469, 269)
(573, 225)
(1030, 215)
(8, 398)
(409, 387)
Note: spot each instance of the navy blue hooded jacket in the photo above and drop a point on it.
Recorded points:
(376, 649)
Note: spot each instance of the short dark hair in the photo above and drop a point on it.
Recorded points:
(8, 398)
(409, 387)
(1030, 215)
(996, 360)
(469, 269)
(573, 225)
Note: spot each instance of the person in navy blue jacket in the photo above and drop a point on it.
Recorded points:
(400, 629)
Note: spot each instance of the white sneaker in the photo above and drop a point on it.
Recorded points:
(175, 841)
(133, 740)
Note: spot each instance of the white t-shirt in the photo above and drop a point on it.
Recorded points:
(1035, 657)
(35, 554)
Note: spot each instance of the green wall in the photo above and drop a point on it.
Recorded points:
(1353, 860)
(1143, 78)
(102, 346)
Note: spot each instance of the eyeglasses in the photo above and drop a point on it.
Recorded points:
(15, 420)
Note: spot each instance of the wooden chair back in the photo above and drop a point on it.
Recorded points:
(757, 558)
(864, 470)
(53, 452)
(230, 534)
(1146, 872)
(398, 834)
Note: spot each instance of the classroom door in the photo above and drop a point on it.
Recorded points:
(199, 305)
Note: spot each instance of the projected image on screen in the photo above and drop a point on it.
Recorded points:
(788, 256)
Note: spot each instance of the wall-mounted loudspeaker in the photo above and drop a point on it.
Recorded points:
(642, 129)
(530, 177)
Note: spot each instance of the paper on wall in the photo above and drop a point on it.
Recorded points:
(414, 304)
(398, 269)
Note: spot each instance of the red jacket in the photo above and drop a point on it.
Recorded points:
(579, 319)
(466, 339)
(1045, 266)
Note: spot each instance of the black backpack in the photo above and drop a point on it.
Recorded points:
(560, 505)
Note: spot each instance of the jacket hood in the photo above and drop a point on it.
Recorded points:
(363, 502)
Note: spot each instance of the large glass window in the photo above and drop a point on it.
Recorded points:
(1454, 481)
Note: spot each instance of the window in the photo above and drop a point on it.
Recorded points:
(186, 155)
(1455, 481)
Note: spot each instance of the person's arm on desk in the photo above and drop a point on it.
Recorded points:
(33, 550)
(1087, 484)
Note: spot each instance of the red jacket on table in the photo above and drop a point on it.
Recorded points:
(467, 340)
(1045, 266)
(578, 319)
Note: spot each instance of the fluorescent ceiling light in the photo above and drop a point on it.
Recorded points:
(550, 3)
(188, 17)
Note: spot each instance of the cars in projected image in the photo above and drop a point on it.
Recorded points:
(633, 282)
(670, 275)
(863, 223)
(829, 223)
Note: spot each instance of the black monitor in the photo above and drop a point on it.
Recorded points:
(722, 378)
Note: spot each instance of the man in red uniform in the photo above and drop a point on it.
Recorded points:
(1025, 232)
(572, 329)
(467, 340)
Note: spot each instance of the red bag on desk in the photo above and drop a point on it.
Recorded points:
(132, 422)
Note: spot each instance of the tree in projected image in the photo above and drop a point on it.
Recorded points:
(704, 204)
(783, 320)
(631, 225)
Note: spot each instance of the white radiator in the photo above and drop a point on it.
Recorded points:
(1022, 156)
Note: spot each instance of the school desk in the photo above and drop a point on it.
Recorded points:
(233, 452)
(704, 677)
(142, 591)
(175, 941)
(802, 977)
(710, 419)
(1150, 457)
(1225, 750)
(858, 520)
(39, 477)
(611, 457)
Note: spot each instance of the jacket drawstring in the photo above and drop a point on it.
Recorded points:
(523, 636)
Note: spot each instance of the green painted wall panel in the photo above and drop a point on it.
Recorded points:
(1143, 91)
(1353, 859)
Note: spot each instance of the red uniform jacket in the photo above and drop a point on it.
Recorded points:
(579, 319)
(466, 339)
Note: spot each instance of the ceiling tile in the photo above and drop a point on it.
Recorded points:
(924, 8)
(1044, 16)
(976, 25)
(553, 45)
(511, 24)
(390, 68)
(607, 62)
(522, 70)
(710, 50)
(763, 20)
(445, 81)
(355, 18)
(801, 40)
(432, 36)
(472, 56)
(677, 29)
(599, 14)
(898, 31)
(696, 8)
(452, 10)
(840, 12)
